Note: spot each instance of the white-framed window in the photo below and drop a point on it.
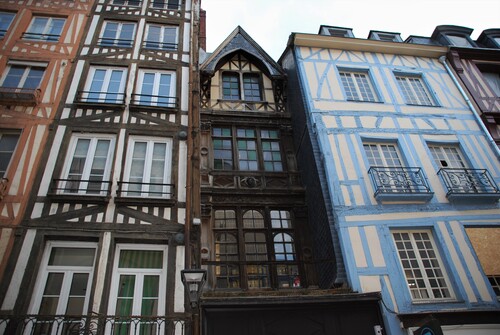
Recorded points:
(138, 287)
(448, 156)
(414, 90)
(24, 75)
(105, 85)
(382, 154)
(167, 4)
(63, 284)
(45, 29)
(422, 265)
(117, 34)
(88, 165)
(156, 88)
(6, 19)
(8, 144)
(358, 85)
(148, 168)
(162, 37)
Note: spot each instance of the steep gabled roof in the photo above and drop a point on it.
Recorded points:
(238, 41)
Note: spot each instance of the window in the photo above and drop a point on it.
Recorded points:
(459, 41)
(167, 4)
(138, 287)
(336, 31)
(414, 90)
(105, 85)
(156, 88)
(24, 76)
(382, 154)
(493, 80)
(447, 156)
(44, 29)
(8, 143)
(161, 37)
(148, 167)
(260, 245)
(357, 86)
(255, 149)
(231, 86)
(117, 34)
(63, 284)
(421, 264)
(5, 21)
(88, 165)
(132, 3)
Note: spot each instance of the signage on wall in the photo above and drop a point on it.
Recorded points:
(429, 328)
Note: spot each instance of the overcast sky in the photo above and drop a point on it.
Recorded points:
(270, 22)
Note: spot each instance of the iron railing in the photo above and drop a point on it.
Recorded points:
(153, 100)
(81, 187)
(399, 180)
(115, 42)
(93, 324)
(132, 3)
(41, 37)
(468, 181)
(145, 190)
(104, 97)
(159, 45)
(166, 4)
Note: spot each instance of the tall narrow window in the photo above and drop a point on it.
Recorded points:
(251, 87)
(421, 264)
(45, 29)
(231, 86)
(138, 287)
(148, 167)
(380, 154)
(226, 249)
(5, 21)
(118, 34)
(105, 85)
(88, 165)
(271, 152)
(8, 143)
(247, 150)
(63, 284)
(161, 37)
(414, 90)
(23, 76)
(357, 86)
(156, 88)
(223, 149)
(448, 156)
(255, 249)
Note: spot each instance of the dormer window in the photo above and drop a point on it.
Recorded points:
(233, 90)
(336, 31)
(384, 36)
(459, 41)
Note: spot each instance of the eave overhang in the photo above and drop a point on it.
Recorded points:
(363, 45)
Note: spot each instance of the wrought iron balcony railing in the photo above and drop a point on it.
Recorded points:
(159, 45)
(145, 190)
(400, 183)
(115, 42)
(41, 37)
(132, 3)
(166, 4)
(148, 100)
(81, 187)
(469, 184)
(20, 96)
(93, 325)
(97, 97)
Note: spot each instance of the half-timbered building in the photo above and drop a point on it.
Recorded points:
(410, 175)
(38, 41)
(102, 243)
(271, 264)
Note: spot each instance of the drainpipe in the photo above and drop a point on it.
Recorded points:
(491, 141)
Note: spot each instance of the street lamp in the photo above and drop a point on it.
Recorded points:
(193, 280)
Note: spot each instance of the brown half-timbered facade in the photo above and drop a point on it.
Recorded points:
(38, 41)
(104, 233)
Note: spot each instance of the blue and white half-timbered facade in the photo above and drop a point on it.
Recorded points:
(409, 175)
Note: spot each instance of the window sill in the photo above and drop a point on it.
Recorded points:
(78, 198)
(145, 200)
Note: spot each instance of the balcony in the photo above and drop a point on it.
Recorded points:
(153, 101)
(80, 190)
(19, 96)
(41, 37)
(471, 185)
(154, 45)
(94, 324)
(106, 98)
(133, 192)
(400, 184)
(115, 42)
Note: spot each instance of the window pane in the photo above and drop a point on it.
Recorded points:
(141, 259)
(51, 294)
(77, 294)
(253, 219)
(125, 300)
(251, 87)
(72, 256)
(34, 77)
(225, 219)
(150, 293)
(5, 21)
(231, 86)
(414, 91)
(8, 143)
